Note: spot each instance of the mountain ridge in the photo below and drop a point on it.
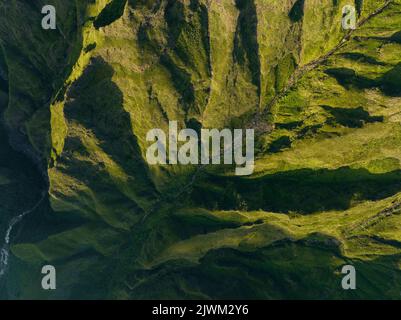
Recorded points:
(325, 110)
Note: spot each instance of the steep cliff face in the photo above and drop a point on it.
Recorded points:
(325, 103)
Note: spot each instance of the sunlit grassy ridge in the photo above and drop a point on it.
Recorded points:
(326, 190)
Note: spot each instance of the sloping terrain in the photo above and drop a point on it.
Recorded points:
(326, 107)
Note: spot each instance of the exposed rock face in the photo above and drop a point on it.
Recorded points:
(326, 106)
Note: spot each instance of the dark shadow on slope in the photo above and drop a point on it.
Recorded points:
(113, 11)
(309, 131)
(309, 268)
(289, 125)
(280, 144)
(195, 125)
(287, 269)
(394, 38)
(90, 47)
(348, 78)
(306, 269)
(26, 182)
(95, 103)
(304, 191)
(389, 83)
(352, 118)
(189, 222)
(246, 46)
(175, 18)
(359, 6)
(189, 225)
(360, 57)
(297, 11)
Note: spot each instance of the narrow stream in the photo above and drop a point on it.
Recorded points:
(5, 250)
(27, 181)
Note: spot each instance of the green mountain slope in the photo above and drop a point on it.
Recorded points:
(325, 104)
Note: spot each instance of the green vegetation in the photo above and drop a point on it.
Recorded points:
(325, 105)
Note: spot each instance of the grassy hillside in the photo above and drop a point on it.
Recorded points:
(325, 104)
